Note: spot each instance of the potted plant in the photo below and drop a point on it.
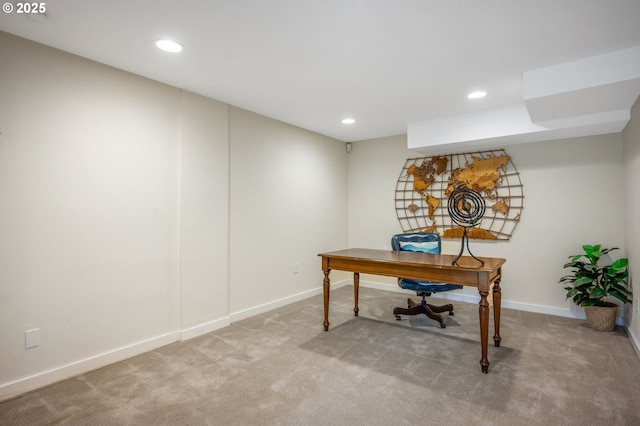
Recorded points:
(591, 283)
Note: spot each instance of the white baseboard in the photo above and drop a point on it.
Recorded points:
(26, 384)
(38, 380)
(634, 341)
(205, 328)
(577, 313)
(14, 388)
(261, 309)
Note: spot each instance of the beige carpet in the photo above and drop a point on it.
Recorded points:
(281, 369)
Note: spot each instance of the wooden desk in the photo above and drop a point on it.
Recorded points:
(422, 266)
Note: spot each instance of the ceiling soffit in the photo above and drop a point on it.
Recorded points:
(585, 97)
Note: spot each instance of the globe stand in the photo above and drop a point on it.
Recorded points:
(466, 208)
(465, 236)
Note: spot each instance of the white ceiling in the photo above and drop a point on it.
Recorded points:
(386, 63)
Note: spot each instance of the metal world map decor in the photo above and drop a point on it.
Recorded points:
(426, 183)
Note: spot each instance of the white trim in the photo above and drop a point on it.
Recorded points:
(256, 310)
(26, 384)
(17, 387)
(577, 313)
(633, 340)
(204, 328)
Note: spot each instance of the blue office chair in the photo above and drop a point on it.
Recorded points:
(425, 242)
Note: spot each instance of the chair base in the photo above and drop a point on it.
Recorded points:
(427, 309)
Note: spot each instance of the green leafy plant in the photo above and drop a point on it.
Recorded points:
(591, 283)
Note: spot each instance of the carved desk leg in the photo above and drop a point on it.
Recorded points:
(356, 289)
(484, 330)
(497, 301)
(325, 290)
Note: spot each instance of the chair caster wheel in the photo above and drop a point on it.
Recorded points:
(398, 317)
(450, 313)
(443, 325)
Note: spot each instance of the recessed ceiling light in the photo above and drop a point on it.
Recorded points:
(477, 95)
(348, 121)
(169, 46)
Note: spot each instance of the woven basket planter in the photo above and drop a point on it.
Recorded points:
(602, 318)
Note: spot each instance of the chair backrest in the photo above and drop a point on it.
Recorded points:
(425, 242)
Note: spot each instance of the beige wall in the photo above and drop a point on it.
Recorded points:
(573, 194)
(288, 203)
(115, 220)
(203, 214)
(631, 138)
(89, 219)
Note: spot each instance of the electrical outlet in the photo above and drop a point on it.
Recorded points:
(296, 268)
(32, 338)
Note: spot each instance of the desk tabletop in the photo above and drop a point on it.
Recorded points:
(443, 261)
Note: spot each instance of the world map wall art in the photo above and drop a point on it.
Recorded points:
(425, 184)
